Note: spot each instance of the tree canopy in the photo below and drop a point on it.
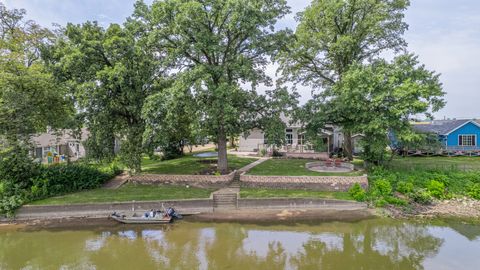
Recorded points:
(30, 98)
(383, 97)
(223, 46)
(332, 35)
(110, 72)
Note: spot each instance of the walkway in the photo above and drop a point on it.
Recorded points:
(228, 197)
(253, 164)
(117, 181)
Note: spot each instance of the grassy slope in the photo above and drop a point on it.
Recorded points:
(290, 167)
(188, 164)
(128, 192)
(284, 193)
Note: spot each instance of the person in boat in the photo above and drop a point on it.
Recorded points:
(152, 214)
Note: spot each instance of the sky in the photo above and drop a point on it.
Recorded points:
(445, 34)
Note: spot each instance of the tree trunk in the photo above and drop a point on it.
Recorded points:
(232, 142)
(347, 137)
(222, 152)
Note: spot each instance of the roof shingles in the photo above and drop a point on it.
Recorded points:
(441, 127)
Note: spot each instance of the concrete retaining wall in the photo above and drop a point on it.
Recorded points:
(183, 206)
(201, 181)
(321, 183)
(301, 203)
(105, 209)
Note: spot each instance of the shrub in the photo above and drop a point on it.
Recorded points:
(9, 204)
(357, 192)
(382, 187)
(263, 152)
(436, 189)
(16, 169)
(421, 196)
(381, 202)
(276, 153)
(60, 178)
(474, 191)
(396, 201)
(405, 187)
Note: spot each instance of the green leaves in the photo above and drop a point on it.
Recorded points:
(30, 98)
(218, 46)
(382, 97)
(111, 72)
(333, 34)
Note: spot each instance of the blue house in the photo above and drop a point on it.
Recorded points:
(455, 135)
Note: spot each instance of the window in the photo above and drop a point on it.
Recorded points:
(288, 136)
(301, 139)
(38, 152)
(467, 140)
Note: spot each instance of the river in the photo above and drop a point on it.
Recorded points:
(368, 244)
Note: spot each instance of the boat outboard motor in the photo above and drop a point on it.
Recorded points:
(172, 213)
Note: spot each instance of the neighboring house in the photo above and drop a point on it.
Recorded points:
(454, 135)
(295, 139)
(61, 143)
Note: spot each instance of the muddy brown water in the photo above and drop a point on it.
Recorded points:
(368, 244)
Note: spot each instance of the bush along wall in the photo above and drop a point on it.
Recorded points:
(22, 181)
(392, 187)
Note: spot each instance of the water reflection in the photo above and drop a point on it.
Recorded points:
(370, 244)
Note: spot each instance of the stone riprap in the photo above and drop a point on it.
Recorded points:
(201, 181)
(320, 183)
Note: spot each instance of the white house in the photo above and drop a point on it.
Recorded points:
(296, 141)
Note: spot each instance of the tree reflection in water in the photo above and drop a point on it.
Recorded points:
(370, 244)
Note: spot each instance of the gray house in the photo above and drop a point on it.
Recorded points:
(296, 141)
(61, 143)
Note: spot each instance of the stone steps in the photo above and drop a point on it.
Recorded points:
(225, 200)
(236, 181)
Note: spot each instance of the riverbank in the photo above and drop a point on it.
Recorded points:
(462, 208)
(257, 216)
(244, 207)
(278, 215)
(251, 210)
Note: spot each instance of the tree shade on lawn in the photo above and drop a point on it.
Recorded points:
(189, 164)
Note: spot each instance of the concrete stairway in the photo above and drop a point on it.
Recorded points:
(225, 201)
(236, 181)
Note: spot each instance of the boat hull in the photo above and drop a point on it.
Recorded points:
(127, 220)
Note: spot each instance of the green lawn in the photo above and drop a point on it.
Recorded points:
(291, 167)
(129, 192)
(287, 193)
(189, 164)
(447, 163)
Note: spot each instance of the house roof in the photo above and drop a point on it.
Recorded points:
(442, 127)
(59, 137)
